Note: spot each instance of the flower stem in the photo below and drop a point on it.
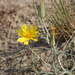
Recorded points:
(38, 57)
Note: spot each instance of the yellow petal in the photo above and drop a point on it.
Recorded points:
(24, 27)
(34, 28)
(26, 43)
(30, 27)
(34, 39)
(21, 39)
(20, 32)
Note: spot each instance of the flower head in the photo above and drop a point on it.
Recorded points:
(27, 33)
(52, 30)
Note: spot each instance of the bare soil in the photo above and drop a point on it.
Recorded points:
(13, 55)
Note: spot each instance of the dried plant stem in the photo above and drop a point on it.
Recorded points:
(38, 57)
(61, 63)
(54, 57)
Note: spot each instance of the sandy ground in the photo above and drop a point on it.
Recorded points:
(14, 13)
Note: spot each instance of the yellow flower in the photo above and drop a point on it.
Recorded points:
(27, 33)
(52, 30)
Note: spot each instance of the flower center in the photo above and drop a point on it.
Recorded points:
(28, 34)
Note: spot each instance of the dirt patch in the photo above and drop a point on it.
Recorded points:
(13, 55)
